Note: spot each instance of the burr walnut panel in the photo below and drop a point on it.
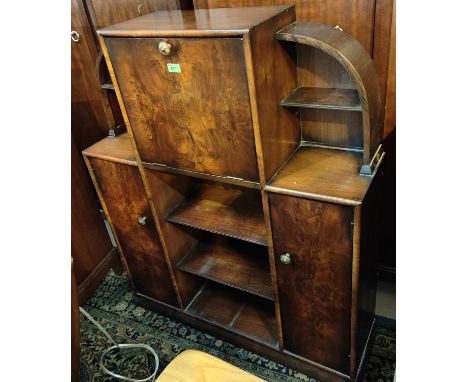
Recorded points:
(315, 287)
(198, 119)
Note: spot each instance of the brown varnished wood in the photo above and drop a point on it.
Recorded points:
(382, 40)
(272, 72)
(316, 68)
(336, 128)
(188, 283)
(89, 285)
(210, 105)
(105, 12)
(90, 242)
(315, 288)
(390, 104)
(115, 149)
(322, 174)
(322, 98)
(231, 262)
(88, 120)
(357, 61)
(172, 190)
(203, 175)
(125, 197)
(235, 311)
(227, 211)
(355, 17)
(201, 22)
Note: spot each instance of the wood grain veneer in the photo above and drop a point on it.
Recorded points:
(315, 288)
(115, 149)
(124, 195)
(322, 174)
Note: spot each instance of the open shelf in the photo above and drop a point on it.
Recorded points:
(322, 98)
(236, 311)
(107, 86)
(239, 265)
(323, 174)
(232, 212)
(114, 149)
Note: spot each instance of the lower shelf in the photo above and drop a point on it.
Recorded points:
(236, 311)
(237, 264)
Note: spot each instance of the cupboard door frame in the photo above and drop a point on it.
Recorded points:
(124, 200)
(315, 288)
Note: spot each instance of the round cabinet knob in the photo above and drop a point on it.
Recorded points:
(142, 220)
(285, 258)
(164, 48)
(75, 36)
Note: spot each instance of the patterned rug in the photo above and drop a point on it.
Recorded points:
(113, 306)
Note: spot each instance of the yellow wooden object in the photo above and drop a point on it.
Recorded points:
(197, 366)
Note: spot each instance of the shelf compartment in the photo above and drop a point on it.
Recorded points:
(232, 212)
(323, 98)
(239, 265)
(236, 311)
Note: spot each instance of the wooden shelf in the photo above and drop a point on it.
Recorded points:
(237, 312)
(201, 175)
(232, 212)
(239, 265)
(107, 86)
(321, 98)
(115, 149)
(323, 174)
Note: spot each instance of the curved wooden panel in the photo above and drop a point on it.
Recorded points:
(358, 63)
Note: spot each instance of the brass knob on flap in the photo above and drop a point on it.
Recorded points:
(142, 220)
(164, 48)
(285, 258)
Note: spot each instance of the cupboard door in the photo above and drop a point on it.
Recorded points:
(125, 198)
(189, 109)
(315, 286)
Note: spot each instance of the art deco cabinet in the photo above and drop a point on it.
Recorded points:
(244, 196)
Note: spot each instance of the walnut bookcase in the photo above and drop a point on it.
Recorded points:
(244, 196)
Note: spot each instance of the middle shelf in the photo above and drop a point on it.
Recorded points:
(232, 212)
(234, 263)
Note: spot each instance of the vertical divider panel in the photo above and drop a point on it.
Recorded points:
(271, 75)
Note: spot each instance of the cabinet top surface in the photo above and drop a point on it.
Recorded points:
(200, 22)
(118, 149)
(323, 174)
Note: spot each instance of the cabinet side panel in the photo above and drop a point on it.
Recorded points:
(196, 117)
(274, 68)
(122, 189)
(90, 242)
(315, 287)
(371, 238)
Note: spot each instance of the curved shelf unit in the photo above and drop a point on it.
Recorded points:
(358, 63)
